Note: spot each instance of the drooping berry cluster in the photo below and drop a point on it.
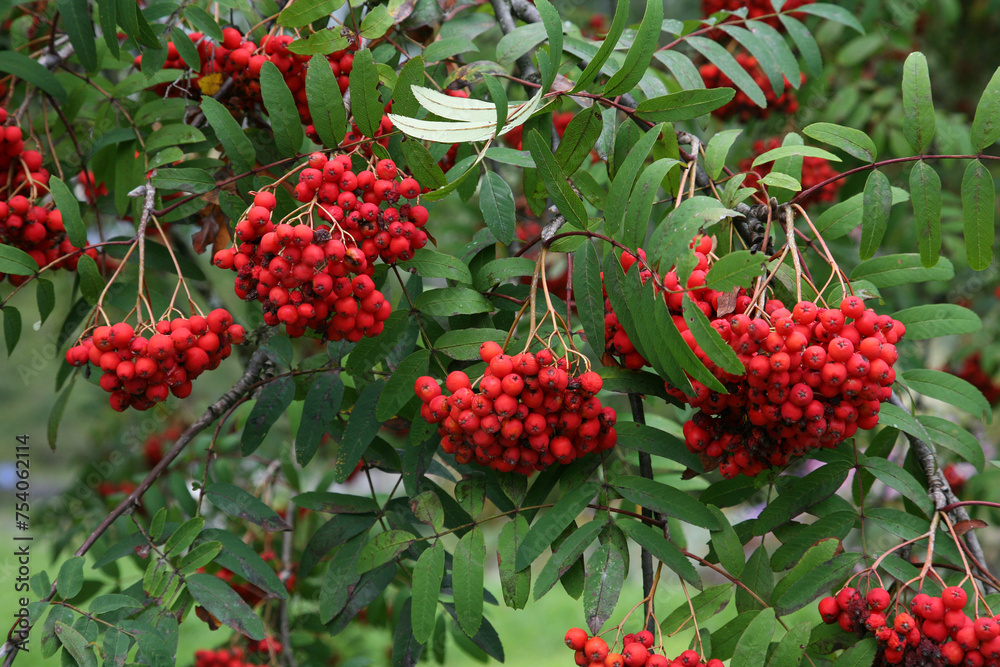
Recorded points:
(257, 652)
(935, 633)
(140, 372)
(815, 170)
(241, 60)
(527, 413)
(812, 376)
(755, 8)
(37, 230)
(972, 372)
(301, 273)
(741, 106)
(637, 651)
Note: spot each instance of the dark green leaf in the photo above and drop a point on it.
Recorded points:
(239, 503)
(107, 14)
(706, 605)
(727, 545)
(978, 212)
(565, 556)
(376, 22)
(192, 180)
(722, 59)
(624, 179)
(602, 586)
(640, 54)
(950, 389)
(944, 319)
(11, 327)
(45, 294)
(683, 105)
(792, 646)
(412, 74)
(58, 407)
(816, 582)
(319, 409)
(790, 150)
(383, 548)
(709, 339)
(16, 262)
(567, 201)
(449, 301)
(918, 106)
(618, 22)
(804, 40)
(656, 443)
(553, 521)
(758, 578)
(463, 344)
(496, 201)
(372, 351)
(986, 124)
(69, 207)
(486, 639)
(735, 269)
(281, 109)
(235, 143)
(925, 195)
(625, 381)
(76, 645)
(834, 13)
(80, 29)
(801, 537)
(861, 654)
(895, 477)
(877, 202)
(717, 151)
(398, 388)
(578, 139)
(365, 103)
(431, 264)
(501, 270)
(652, 540)
(950, 435)
(322, 42)
(751, 649)
(303, 12)
(326, 105)
(427, 575)
(135, 25)
(203, 21)
(515, 585)
(221, 601)
(640, 202)
(70, 579)
(361, 429)
(91, 282)
(422, 165)
(800, 495)
(34, 73)
(467, 580)
(271, 403)
(666, 500)
(902, 269)
(588, 294)
(335, 503)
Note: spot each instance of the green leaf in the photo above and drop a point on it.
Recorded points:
(805, 42)
(588, 294)
(682, 68)
(91, 282)
(640, 202)
(793, 151)
(322, 42)
(951, 436)
(902, 269)
(303, 12)
(986, 124)
(75, 644)
(684, 105)
(706, 604)
(751, 649)
(728, 65)
(448, 47)
(326, 105)
(107, 15)
(579, 138)
(496, 201)
(757, 577)
(135, 25)
(80, 28)
(11, 327)
(430, 264)
(463, 344)
(918, 105)
(500, 270)
(185, 534)
(950, 389)
(891, 415)
(877, 203)
(861, 654)
(16, 262)
(383, 548)
(776, 179)
(939, 319)
(58, 407)
(792, 646)
(853, 142)
(671, 238)
(236, 144)
(376, 23)
(842, 218)
(800, 495)
(800, 537)
(666, 500)
(365, 103)
(191, 180)
(554, 33)
(34, 73)
(834, 13)
(565, 556)
(203, 21)
(449, 301)
(624, 180)
(978, 212)
(655, 442)
(422, 164)
(727, 545)
(895, 477)
(815, 557)
(221, 601)
(925, 195)
(369, 352)
(399, 387)
(552, 522)
(45, 293)
(514, 584)
(104, 604)
(652, 540)
(709, 339)
(815, 582)
(519, 41)
(70, 579)
(602, 585)
(735, 269)
(639, 55)
(273, 400)
(199, 556)
(335, 503)
(281, 109)
(618, 22)
(718, 150)
(567, 201)
(765, 54)
(237, 502)
(499, 98)
(427, 576)
(319, 409)
(467, 580)
(359, 432)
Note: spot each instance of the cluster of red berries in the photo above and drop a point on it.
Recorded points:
(37, 230)
(301, 273)
(234, 657)
(140, 372)
(812, 376)
(815, 170)
(741, 106)
(527, 413)
(755, 8)
(107, 488)
(91, 189)
(152, 449)
(241, 60)
(972, 372)
(637, 651)
(935, 633)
